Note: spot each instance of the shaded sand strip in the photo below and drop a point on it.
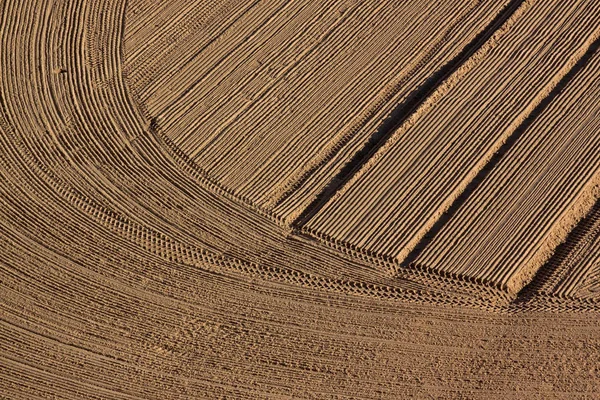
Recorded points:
(403, 191)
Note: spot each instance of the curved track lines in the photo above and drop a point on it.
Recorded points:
(126, 274)
(258, 93)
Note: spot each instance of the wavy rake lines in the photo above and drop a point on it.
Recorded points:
(438, 152)
(122, 321)
(118, 134)
(264, 69)
(121, 225)
(155, 242)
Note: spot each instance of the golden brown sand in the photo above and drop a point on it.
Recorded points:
(299, 199)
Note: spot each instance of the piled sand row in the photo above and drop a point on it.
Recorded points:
(126, 274)
(255, 105)
(103, 174)
(574, 273)
(542, 186)
(404, 190)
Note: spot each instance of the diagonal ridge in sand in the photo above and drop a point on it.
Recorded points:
(126, 273)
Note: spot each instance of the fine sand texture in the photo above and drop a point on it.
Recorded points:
(273, 97)
(272, 199)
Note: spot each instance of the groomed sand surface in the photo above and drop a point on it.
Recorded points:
(299, 199)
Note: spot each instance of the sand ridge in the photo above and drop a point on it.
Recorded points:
(129, 271)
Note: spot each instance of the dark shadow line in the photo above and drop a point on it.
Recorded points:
(402, 112)
(480, 177)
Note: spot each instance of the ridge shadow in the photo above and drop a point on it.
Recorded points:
(402, 112)
(480, 177)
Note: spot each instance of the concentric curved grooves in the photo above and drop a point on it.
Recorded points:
(102, 296)
(84, 134)
(102, 73)
(101, 78)
(188, 124)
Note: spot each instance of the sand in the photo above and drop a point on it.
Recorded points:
(321, 200)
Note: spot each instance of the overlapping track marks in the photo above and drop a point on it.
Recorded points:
(404, 190)
(259, 93)
(90, 160)
(101, 169)
(125, 274)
